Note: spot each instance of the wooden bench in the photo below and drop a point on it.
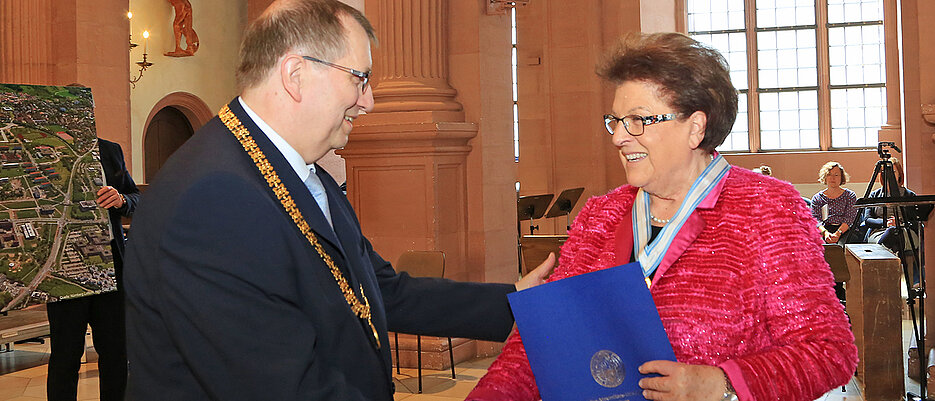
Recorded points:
(23, 324)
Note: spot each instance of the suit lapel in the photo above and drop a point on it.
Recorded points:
(623, 249)
(345, 227)
(297, 189)
(360, 269)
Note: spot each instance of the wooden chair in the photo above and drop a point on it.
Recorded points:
(422, 264)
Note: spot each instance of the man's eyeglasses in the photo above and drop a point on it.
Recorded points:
(634, 123)
(363, 77)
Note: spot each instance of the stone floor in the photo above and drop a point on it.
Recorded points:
(23, 375)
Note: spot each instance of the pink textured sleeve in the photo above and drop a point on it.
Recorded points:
(814, 349)
(510, 376)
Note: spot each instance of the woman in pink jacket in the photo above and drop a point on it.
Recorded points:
(733, 259)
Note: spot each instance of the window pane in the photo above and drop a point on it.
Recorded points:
(805, 14)
(782, 63)
(714, 15)
(697, 6)
(733, 47)
(736, 19)
(860, 58)
(789, 120)
(772, 13)
(856, 115)
(785, 16)
(718, 6)
(872, 10)
(738, 139)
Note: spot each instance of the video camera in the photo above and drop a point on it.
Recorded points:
(885, 153)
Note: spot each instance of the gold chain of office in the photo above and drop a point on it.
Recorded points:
(362, 310)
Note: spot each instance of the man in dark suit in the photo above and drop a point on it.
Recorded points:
(248, 276)
(69, 319)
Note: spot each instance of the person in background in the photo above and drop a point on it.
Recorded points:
(69, 319)
(879, 223)
(764, 169)
(739, 276)
(833, 206)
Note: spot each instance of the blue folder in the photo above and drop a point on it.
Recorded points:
(585, 336)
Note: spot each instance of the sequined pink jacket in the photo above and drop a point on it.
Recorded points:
(751, 293)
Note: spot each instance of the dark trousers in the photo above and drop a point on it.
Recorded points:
(68, 323)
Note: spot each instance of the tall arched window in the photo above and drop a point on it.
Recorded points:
(811, 72)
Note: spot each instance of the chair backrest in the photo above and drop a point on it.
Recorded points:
(422, 263)
(834, 255)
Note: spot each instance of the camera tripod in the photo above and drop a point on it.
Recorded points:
(892, 198)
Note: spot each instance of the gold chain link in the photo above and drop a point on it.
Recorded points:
(362, 310)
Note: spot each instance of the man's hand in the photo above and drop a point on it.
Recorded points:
(108, 197)
(538, 275)
(682, 382)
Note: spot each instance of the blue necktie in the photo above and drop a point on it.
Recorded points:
(313, 183)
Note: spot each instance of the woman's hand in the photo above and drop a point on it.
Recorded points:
(682, 382)
(891, 222)
(833, 237)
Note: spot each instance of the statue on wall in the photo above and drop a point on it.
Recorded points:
(182, 26)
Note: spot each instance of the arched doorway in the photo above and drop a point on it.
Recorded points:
(171, 122)
(167, 131)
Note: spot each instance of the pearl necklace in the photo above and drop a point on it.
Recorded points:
(666, 221)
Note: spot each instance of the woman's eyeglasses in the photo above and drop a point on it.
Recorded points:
(634, 123)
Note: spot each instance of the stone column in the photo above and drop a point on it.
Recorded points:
(917, 34)
(412, 60)
(406, 160)
(891, 131)
(26, 41)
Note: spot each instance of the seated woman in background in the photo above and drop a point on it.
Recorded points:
(833, 206)
(764, 169)
(741, 284)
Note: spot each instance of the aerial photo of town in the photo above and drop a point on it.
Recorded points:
(54, 239)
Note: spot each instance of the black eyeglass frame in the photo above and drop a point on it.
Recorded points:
(610, 120)
(362, 75)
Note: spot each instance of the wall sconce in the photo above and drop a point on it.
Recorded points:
(499, 7)
(143, 64)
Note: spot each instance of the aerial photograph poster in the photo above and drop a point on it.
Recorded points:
(54, 239)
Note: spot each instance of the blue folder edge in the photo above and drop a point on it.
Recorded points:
(585, 336)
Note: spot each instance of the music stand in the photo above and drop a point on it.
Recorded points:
(915, 293)
(532, 207)
(564, 204)
(528, 208)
